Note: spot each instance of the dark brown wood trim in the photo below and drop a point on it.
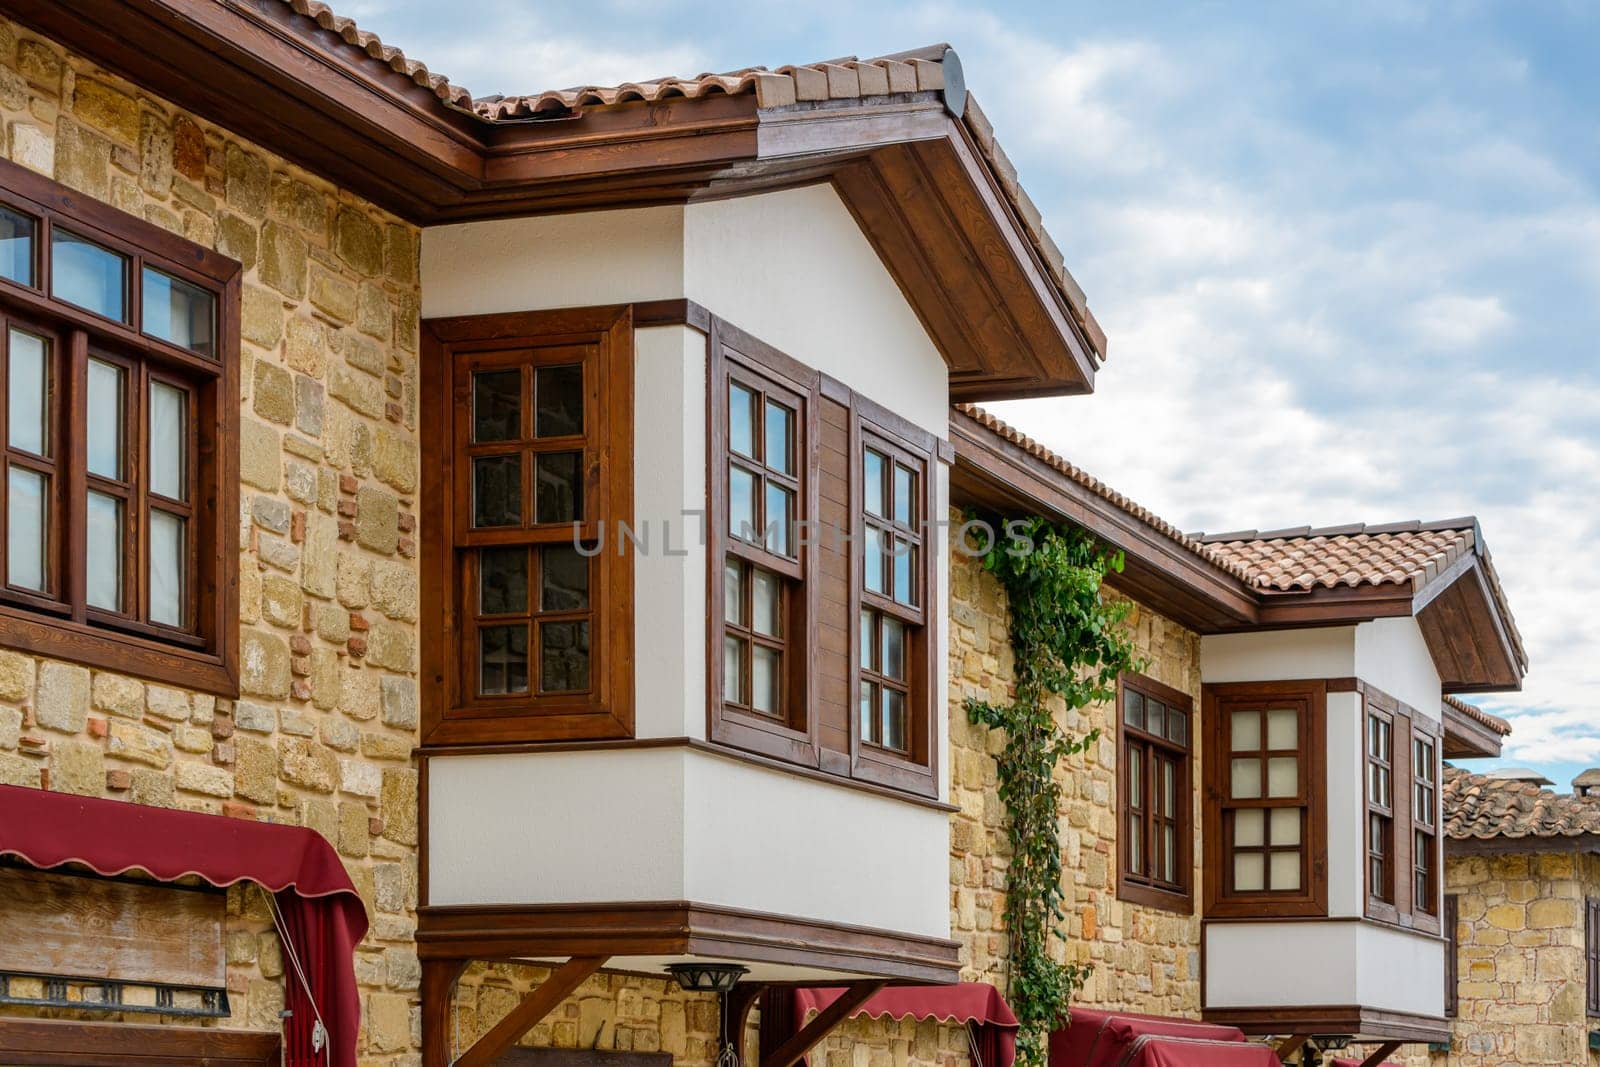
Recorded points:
(1290, 1045)
(827, 1020)
(1377, 1056)
(1511, 846)
(680, 312)
(438, 997)
(526, 1014)
(1129, 888)
(1467, 738)
(1354, 1021)
(75, 1044)
(1235, 920)
(681, 928)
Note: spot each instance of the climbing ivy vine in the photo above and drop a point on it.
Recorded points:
(1069, 642)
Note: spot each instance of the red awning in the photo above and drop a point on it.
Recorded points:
(1341, 1061)
(1126, 1039)
(323, 916)
(977, 1005)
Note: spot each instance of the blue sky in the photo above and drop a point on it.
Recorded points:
(1348, 254)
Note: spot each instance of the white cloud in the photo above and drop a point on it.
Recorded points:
(1453, 321)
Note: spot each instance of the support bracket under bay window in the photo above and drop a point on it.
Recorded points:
(438, 985)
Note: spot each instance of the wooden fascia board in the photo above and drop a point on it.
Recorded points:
(1467, 738)
(1010, 472)
(1333, 607)
(1510, 846)
(1463, 587)
(799, 131)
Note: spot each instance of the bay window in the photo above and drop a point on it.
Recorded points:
(1154, 795)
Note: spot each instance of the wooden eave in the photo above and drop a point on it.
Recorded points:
(1467, 738)
(1575, 844)
(906, 167)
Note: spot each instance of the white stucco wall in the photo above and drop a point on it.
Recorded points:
(1392, 655)
(1346, 805)
(1312, 964)
(1279, 655)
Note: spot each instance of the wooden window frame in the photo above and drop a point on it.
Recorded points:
(451, 348)
(1591, 956)
(1383, 906)
(1426, 914)
(1142, 889)
(1452, 955)
(734, 355)
(202, 655)
(916, 769)
(1310, 699)
(1407, 726)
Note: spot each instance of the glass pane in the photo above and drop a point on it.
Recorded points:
(1246, 779)
(103, 567)
(497, 405)
(1169, 790)
(872, 483)
(179, 312)
(1136, 779)
(780, 513)
(741, 420)
(1283, 729)
(1248, 872)
(876, 574)
(766, 672)
(26, 529)
(1285, 826)
(905, 564)
(563, 657)
(105, 419)
(733, 670)
(1283, 776)
(502, 581)
(563, 579)
(741, 503)
(894, 649)
(905, 498)
(557, 489)
(1155, 716)
(169, 414)
(1248, 826)
(894, 719)
(1246, 732)
(868, 639)
(733, 592)
(497, 491)
(28, 386)
(869, 721)
(1136, 845)
(1133, 709)
(502, 660)
(1286, 870)
(766, 603)
(16, 246)
(780, 438)
(167, 568)
(85, 274)
(1178, 726)
(558, 401)
(1169, 854)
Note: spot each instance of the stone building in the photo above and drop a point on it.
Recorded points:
(407, 496)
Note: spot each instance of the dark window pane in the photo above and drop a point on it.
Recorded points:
(16, 246)
(894, 719)
(85, 274)
(1133, 709)
(563, 579)
(741, 420)
(558, 491)
(780, 438)
(894, 649)
(28, 386)
(1178, 726)
(502, 581)
(766, 677)
(1155, 716)
(502, 660)
(497, 491)
(564, 657)
(179, 312)
(558, 401)
(497, 405)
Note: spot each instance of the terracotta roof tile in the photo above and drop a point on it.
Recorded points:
(1306, 559)
(1477, 714)
(387, 55)
(1477, 807)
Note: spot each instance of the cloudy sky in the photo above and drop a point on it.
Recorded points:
(1347, 254)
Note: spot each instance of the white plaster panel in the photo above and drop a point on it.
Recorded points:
(1392, 655)
(669, 490)
(794, 269)
(1346, 805)
(1268, 964)
(1279, 655)
(552, 261)
(1400, 971)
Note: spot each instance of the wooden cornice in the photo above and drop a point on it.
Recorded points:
(1350, 1020)
(1467, 738)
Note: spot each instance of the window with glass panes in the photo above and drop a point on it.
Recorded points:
(1154, 795)
(892, 527)
(1266, 803)
(117, 396)
(1380, 806)
(1425, 823)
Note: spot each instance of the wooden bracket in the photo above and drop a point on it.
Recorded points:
(1379, 1053)
(791, 1051)
(438, 993)
(1290, 1045)
(738, 1004)
(535, 1006)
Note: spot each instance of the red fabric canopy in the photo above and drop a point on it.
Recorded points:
(323, 915)
(976, 1004)
(1127, 1039)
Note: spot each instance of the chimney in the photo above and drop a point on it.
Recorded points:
(1587, 784)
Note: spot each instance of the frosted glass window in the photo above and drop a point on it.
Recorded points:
(28, 392)
(733, 592)
(733, 670)
(1246, 732)
(1155, 717)
(169, 411)
(166, 568)
(1283, 776)
(85, 274)
(1286, 871)
(765, 672)
(1246, 779)
(1285, 826)
(103, 558)
(178, 312)
(105, 430)
(1247, 828)
(1249, 873)
(1283, 729)
(894, 719)
(26, 529)
(766, 602)
(894, 648)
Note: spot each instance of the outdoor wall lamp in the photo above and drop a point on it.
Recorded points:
(707, 977)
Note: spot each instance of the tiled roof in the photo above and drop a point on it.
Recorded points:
(1305, 559)
(1477, 807)
(1478, 715)
(386, 55)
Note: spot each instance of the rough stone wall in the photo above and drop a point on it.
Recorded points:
(1143, 958)
(323, 733)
